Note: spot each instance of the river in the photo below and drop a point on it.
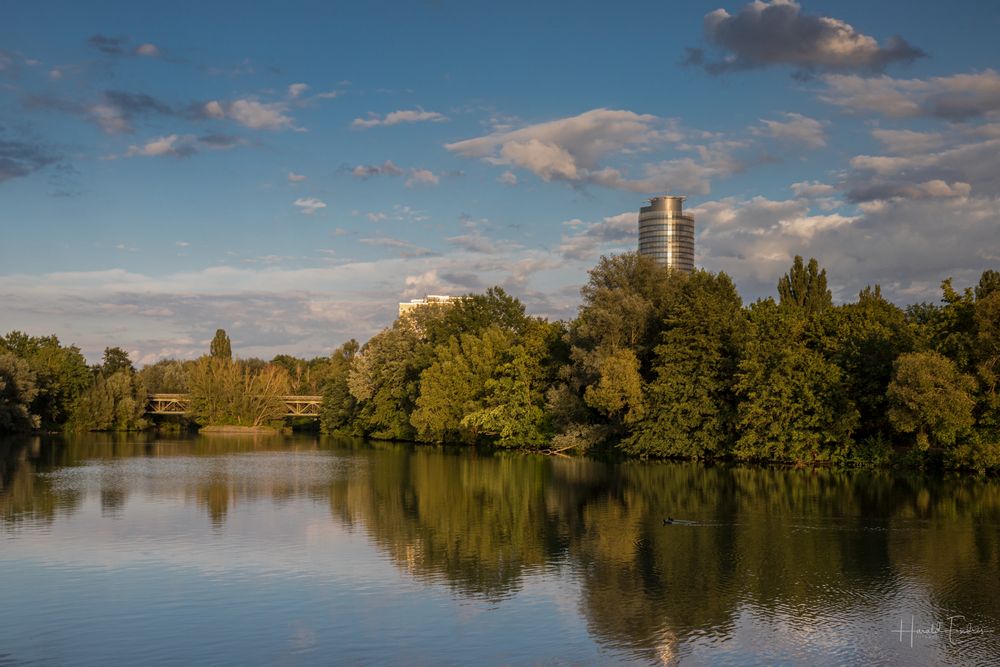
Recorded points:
(305, 550)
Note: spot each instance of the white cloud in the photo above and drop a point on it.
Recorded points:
(591, 240)
(973, 165)
(172, 145)
(148, 50)
(397, 117)
(213, 110)
(309, 205)
(295, 90)
(812, 189)
(958, 97)
(295, 178)
(573, 149)
(906, 142)
(777, 33)
(110, 118)
(795, 128)
(422, 177)
(259, 115)
(507, 178)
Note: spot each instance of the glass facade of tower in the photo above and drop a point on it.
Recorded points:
(666, 233)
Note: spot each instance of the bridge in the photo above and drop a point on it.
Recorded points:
(180, 404)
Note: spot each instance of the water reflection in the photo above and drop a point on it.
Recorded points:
(762, 565)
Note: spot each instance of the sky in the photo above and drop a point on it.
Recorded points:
(291, 171)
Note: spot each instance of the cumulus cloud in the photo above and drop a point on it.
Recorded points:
(574, 149)
(969, 165)
(309, 205)
(590, 240)
(927, 190)
(295, 178)
(397, 117)
(422, 177)
(795, 128)
(906, 244)
(907, 142)
(812, 189)
(295, 90)
(172, 145)
(507, 178)
(213, 109)
(260, 115)
(957, 97)
(765, 33)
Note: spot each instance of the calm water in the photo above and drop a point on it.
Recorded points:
(303, 550)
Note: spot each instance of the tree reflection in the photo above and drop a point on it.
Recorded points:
(784, 543)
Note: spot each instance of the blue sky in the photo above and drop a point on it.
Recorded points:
(291, 171)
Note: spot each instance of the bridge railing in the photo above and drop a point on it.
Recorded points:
(179, 404)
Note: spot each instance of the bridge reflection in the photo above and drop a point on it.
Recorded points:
(180, 404)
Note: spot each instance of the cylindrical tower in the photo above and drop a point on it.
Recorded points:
(666, 233)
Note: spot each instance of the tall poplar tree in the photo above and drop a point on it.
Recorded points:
(221, 348)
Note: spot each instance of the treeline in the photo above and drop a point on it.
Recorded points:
(667, 364)
(656, 363)
(45, 385)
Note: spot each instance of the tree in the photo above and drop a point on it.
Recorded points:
(339, 406)
(116, 359)
(864, 339)
(690, 403)
(930, 398)
(224, 392)
(113, 403)
(17, 393)
(221, 348)
(61, 374)
(513, 404)
(793, 405)
(454, 385)
(611, 345)
(385, 378)
(805, 287)
(166, 376)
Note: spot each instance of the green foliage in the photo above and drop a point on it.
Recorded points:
(115, 402)
(385, 378)
(167, 376)
(864, 339)
(805, 287)
(690, 404)
(339, 406)
(308, 376)
(455, 384)
(226, 392)
(513, 407)
(61, 374)
(115, 360)
(221, 347)
(619, 387)
(930, 399)
(598, 394)
(17, 393)
(793, 405)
